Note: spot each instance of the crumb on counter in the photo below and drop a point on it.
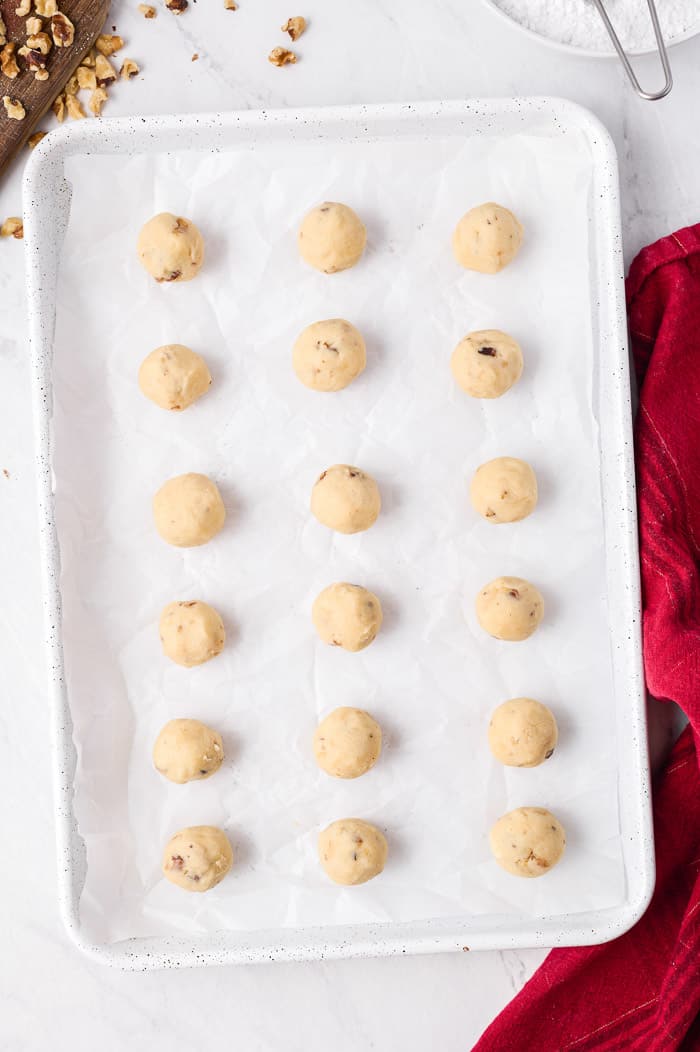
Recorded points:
(147, 10)
(195, 56)
(294, 26)
(6, 473)
(281, 56)
(12, 227)
(177, 6)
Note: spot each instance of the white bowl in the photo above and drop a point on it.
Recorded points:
(571, 49)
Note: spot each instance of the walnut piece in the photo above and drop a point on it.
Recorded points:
(97, 101)
(33, 25)
(59, 107)
(40, 42)
(41, 73)
(62, 30)
(147, 11)
(35, 139)
(230, 5)
(8, 62)
(72, 85)
(12, 227)
(74, 107)
(107, 44)
(86, 78)
(177, 6)
(24, 8)
(89, 59)
(14, 108)
(3, 30)
(281, 56)
(129, 69)
(104, 71)
(294, 26)
(46, 8)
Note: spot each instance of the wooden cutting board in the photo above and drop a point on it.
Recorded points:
(88, 18)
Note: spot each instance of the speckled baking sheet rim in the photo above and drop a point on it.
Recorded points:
(47, 202)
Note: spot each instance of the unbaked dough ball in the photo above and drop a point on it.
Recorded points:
(522, 733)
(171, 248)
(331, 237)
(347, 616)
(345, 499)
(509, 608)
(197, 858)
(504, 490)
(173, 376)
(352, 851)
(191, 632)
(486, 364)
(528, 841)
(487, 238)
(347, 743)
(188, 510)
(187, 751)
(328, 355)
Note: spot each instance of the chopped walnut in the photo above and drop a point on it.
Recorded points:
(195, 57)
(59, 107)
(72, 85)
(40, 42)
(147, 11)
(107, 45)
(62, 30)
(12, 227)
(294, 26)
(35, 139)
(104, 71)
(41, 74)
(97, 101)
(74, 107)
(86, 78)
(89, 59)
(33, 25)
(3, 31)
(14, 108)
(46, 8)
(8, 62)
(281, 56)
(129, 69)
(230, 5)
(177, 6)
(24, 8)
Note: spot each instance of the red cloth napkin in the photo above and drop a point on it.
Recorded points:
(642, 991)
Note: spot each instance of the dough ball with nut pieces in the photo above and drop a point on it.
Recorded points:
(347, 743)
(522, 733)
(188, 510)
(329, 355)
(197, 858)
(509, 608)
(352, 851)
(487, 363)
(191, 632)
(346, 499)
(331, 237)
(171, 248)
(527, 842)
(173, 376)
(487, 238)
(187, 751)
(504, 490)
(347, 615)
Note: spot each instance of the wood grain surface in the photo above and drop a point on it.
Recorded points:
(88, 17)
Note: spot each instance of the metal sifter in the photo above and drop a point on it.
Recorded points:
(624, 57)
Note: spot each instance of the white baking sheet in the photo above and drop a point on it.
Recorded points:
(432, 677)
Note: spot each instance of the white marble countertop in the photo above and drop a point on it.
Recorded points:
(370, 51)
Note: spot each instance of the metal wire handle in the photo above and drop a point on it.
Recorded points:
(624, 59)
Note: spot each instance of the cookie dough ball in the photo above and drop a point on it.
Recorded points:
(191, 632)
(174, 377)
(487, 238)
(504, 490)
(188, 510)
(345, 499)
(197, 858)
(352, 851)
(347, 743)
(509, 608)
(486, 364)
(528, 841)
(171, 248)
(328, 355)
(347, 616)
(522, 733)
(187, 751)
(331, 237)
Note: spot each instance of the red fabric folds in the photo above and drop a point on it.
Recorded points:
(641, 992)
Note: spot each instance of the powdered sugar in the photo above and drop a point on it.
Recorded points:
(577, 22)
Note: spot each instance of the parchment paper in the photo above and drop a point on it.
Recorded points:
(432, 677)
